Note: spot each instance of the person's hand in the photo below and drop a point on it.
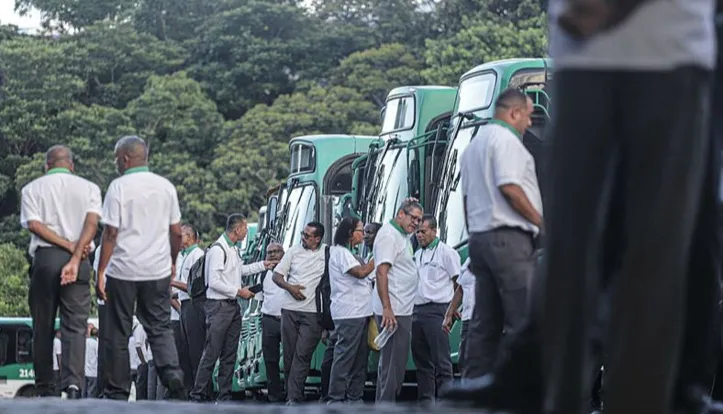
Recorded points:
(69, 274)
(388, 319)
(100, 287)
(295, 291)
(449, 319)
(270, 264)
(245, 293)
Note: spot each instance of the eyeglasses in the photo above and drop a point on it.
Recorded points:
(307, 235)
(415, 219)
(275, 251)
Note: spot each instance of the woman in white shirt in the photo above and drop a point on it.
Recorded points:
(464, 295)
(351, 307)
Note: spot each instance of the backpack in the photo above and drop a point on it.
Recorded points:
(323, 297)
(197, 275)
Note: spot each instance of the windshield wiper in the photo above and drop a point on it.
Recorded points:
(448, 180)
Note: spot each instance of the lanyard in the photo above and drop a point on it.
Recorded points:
(421, 256)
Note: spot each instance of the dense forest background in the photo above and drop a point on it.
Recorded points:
(218, 87)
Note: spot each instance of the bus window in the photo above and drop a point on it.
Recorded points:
(4, 340)
(24, 345)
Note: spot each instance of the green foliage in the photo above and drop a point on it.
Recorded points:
(14, 282)
(218, 88)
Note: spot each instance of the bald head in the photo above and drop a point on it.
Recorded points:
(274, 251)
(59, 156)
(130, 151)
(514, 108)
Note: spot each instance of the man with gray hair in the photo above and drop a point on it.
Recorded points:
(393, 299)
(141, 239)
(61, 210)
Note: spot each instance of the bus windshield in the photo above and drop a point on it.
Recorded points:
(392, 187)
(453, 230)
(301, 210)
(398, 114)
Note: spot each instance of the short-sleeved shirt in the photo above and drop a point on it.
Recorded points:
(659, 35)
(57, 351)
(142, 206)
(60, 200)
(497, 157)
(351, 297)
(394, 247)
(437, 264)
(301, 266)
(272, 296)
(187, 258)
(467, 281)
(91, 357)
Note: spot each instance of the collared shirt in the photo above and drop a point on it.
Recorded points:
(467, 281)
(351, 297)
(134, 360)
(272, 296)
(437, 264)
(60, 200)
(497, 157)
(224, 280)
(304, 267)
(91, 357)
(394, 247)
(188, 257)
(57, 351)
(142, 206)
(658, 35)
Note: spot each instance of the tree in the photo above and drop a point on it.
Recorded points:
(14, 283)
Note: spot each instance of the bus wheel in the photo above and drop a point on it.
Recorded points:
(27, 391)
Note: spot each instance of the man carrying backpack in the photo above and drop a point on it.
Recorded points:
(223, 271)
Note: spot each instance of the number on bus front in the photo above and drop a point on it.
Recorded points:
(26, 373)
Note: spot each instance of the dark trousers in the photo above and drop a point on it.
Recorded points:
(430, 350)
(152, 303)
(619, 124)
(101, 347)
(300, 335)
(271, 348)
(351, 355)
(142, 382)
(223, 329)
(503, 264)
(46, 297)
(182, 348)
(91, 387)
(193, 321)
(326, 364)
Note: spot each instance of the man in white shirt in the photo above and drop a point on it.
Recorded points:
(142, 232)
(61, 211)
(224, 270)
(139, 342)
(503, 211)
(193, 317)
(91, 364)
(272, 297)
(438, 265)
(299, 273)
(464, 295)
(393, 299)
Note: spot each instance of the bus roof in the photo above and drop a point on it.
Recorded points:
(419, 89)
(510, 65)
(342, 141)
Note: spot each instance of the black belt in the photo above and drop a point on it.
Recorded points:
(224, 300)
(266, 315)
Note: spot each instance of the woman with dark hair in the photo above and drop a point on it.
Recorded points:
(351, 307)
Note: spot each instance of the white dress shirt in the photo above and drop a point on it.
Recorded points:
(224, 279)
(301, 266)
(394, 247)
(437, 265)
(272, 296)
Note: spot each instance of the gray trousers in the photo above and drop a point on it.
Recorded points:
(156, 390)
(326, 364)
(91, 387)
(193, 322)
(430, 349)
(462, 353)
(271, 349)
(503, 264)
(393, 360)
(46, 297)
(223, 329)
(351, 354)
(182, 348)
(300, 335)
(152, 303)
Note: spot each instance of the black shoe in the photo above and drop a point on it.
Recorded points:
(176, 389)
(72, 393)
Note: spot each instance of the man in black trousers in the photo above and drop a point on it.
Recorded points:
(141, 239)
(61, 210)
